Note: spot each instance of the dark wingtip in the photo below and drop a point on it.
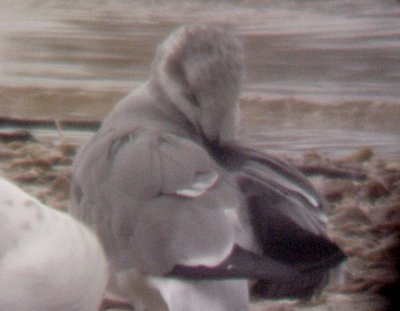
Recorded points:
(286, 223)
(275, 279)
(240, 264)
(314, 276)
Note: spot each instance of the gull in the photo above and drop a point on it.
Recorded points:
(186, 211)
(48, 260)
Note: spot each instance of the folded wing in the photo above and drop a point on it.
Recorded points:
(288, 223)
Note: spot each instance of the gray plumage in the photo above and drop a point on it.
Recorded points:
(169, 189)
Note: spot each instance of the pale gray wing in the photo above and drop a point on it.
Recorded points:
(155, 200)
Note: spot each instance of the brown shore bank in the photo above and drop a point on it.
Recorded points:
(364, 212)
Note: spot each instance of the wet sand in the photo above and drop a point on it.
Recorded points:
(364, 211)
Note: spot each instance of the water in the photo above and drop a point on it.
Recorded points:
(324, 74)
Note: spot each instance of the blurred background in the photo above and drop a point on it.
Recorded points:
(321, 75)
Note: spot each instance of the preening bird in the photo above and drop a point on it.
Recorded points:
(187, 212)
(48, 260)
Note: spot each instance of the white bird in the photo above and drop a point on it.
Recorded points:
(48, 260)
(186, 213)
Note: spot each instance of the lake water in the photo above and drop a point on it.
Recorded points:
(320, 74)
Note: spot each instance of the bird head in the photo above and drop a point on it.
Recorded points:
(199, 69)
